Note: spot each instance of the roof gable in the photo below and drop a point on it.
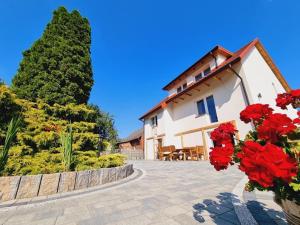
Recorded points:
(235, 57)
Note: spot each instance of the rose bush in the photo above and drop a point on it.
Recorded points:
(270, 154)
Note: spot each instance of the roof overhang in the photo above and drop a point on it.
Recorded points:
(212, 53)
(236, 57)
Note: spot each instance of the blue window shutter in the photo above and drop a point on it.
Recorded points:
(212, 109)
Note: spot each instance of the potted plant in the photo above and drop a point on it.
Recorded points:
(270, 153)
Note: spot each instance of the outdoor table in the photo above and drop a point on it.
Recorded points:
(183, 152)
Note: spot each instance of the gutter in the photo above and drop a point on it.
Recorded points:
(242, 83)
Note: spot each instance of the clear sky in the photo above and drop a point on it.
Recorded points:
(138, 46)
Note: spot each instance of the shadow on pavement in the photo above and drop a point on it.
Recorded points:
(218, 210)
(264, 215)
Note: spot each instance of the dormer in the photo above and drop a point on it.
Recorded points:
(198, 70)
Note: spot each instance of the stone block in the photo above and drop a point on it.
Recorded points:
(119, 173)
(82, 179)
(49, 184)
(105, 175)
(123, 171)
(129, 170)
(29, 186)
(9, 187)
(95, 178)
(67, 182)
(112, 174)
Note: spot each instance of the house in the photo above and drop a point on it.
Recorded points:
(135, 141)
(212, 91)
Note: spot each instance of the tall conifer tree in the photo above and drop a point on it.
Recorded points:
(57, 68)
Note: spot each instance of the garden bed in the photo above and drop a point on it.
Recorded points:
(20, 187)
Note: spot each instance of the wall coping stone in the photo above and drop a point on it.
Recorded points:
(53, 185)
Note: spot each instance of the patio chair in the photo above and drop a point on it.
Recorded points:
(200, 150)
(196, 153)
(165, 151)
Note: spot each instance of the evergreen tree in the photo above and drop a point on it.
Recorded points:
(57, 68)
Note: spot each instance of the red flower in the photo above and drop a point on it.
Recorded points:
(295, 93)
(223, 134)
(274, 127)
(221, 157)
(255, 113)
(264, 164)
(283, 100)
(297, 120)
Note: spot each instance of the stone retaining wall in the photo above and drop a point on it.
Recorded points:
(18, 187)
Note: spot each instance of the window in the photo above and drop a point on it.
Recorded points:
(201, 107)
(154, 121)
(198, 77)
(179, 89)
(211, 109)
(206, 71)
(184, 86)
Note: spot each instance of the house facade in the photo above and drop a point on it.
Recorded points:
(212, 91)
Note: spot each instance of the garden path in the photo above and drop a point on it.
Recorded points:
(168, 193)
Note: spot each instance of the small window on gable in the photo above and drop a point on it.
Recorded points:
(201, 107)
(154, 121)
(206, 71)
(179, 89)
(198, 77)
(184, 86)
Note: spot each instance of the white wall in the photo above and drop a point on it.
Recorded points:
(260, 79)
(181, 117)
(229, 102)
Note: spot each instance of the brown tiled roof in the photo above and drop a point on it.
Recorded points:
(133, 136)
(218, 49)
(234, 58)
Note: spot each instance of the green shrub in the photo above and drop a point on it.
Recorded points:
(37, 147)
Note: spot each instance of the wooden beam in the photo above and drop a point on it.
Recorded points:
(188, 94)
(207, 84)
(181, 98)
(197, 89)
(204, 128)
(217, 78)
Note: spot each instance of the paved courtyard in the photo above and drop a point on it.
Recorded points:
(168, 193)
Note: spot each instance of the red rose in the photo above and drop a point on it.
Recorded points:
(264, 164)
(223, 134)
(274, 127)
(221, 157)
(255, 113)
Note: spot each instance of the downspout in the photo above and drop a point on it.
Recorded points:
(242, 83)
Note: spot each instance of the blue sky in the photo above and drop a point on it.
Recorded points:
(138, 46)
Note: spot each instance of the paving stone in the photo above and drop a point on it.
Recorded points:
(67, 182)
(29, 186)
(49, 184)
(165, 195)
(8, 187)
